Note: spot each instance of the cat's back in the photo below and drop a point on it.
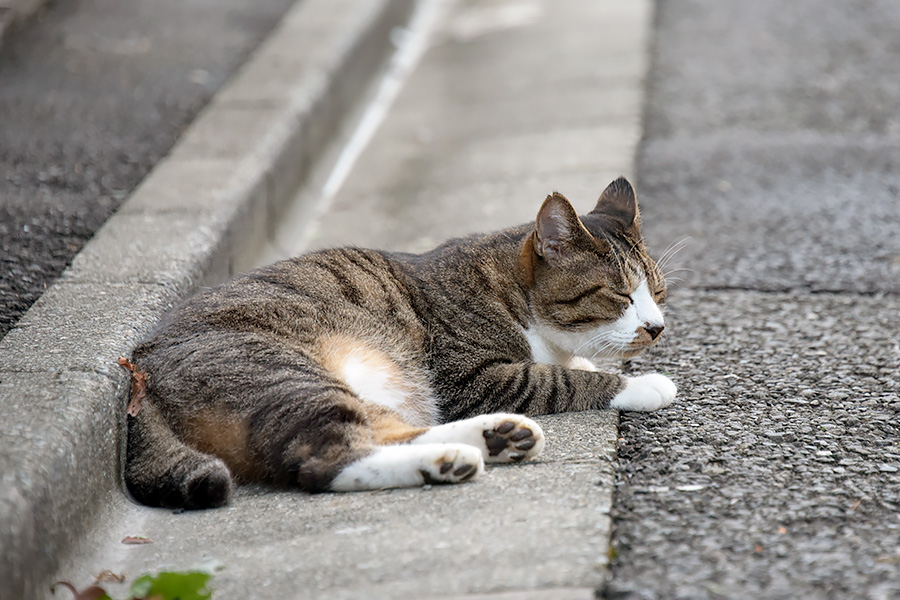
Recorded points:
(326, 289)
(342, 296)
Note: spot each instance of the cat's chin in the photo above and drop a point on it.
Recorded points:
(633, 352)
(624, 352)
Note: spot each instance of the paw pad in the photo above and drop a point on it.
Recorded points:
(511, 441)
(454, 465)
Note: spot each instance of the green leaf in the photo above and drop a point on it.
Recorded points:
(168, 585)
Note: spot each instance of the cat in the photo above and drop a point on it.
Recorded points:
(351, 369)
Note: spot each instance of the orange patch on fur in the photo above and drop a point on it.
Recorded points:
(389, 428)
(526, 261)
(220, 434)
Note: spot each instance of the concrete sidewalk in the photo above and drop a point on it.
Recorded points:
(198, 214)
(511, 100)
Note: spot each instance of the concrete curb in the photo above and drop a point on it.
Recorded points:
(192, 222)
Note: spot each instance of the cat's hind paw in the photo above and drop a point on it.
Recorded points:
(501, 437)
(645, 393)
(513, 438)
(410, 466)
(455, 464)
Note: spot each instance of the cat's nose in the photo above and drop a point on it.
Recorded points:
(654, 330)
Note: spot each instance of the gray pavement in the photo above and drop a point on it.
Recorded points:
(92, 95)
(771, 139)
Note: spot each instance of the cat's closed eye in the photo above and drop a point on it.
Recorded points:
(583, 321)
(625, 296)
(584, 294)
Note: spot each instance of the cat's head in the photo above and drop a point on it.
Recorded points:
(595, 292)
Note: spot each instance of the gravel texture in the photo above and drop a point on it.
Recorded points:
(94, 93)
(777, 472)
(771, 141)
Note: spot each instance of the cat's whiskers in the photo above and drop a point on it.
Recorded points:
(674, 281)
(607, 339)
(616, 348)
(666, 274)
(591, 340)
(671, 251)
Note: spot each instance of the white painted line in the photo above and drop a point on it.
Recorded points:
(411, 44)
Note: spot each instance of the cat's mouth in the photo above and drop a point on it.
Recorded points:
(644, 339)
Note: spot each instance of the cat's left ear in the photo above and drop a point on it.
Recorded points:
(558, 230)
(619, 203)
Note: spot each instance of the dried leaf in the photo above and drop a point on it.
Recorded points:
(93, 592)
(136, 539)
(138, 387)
(889, 559)
(107, 576)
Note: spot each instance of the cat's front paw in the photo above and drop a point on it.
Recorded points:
(580, 363)
(645, 393)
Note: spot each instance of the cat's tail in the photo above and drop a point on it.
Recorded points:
(160, 470)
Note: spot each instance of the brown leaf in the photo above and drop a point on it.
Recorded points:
(93, 592)
(138, 387)
(107, 576)
(136, 539)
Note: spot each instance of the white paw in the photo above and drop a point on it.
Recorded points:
(453, 463)
(645, 393)
(410, 465)
(509, 438)
(500, 437)
(580, 363)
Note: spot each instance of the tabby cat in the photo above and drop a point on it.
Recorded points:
(351, 369)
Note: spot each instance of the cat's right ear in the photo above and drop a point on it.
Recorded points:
(619, 204)
(557, 230)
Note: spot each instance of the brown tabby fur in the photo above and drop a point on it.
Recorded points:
(243, 377)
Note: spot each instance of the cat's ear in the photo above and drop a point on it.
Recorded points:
(557, 231)
(619, 203)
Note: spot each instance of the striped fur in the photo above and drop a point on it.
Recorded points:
(296, 372)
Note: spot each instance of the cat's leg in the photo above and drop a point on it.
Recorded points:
(407, 465)
(393, 462)
(542, 389)
(328, 439)
(500, 437)
(161, 470)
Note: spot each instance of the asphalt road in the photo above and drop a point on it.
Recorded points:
(92, 94)
(771, 140)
